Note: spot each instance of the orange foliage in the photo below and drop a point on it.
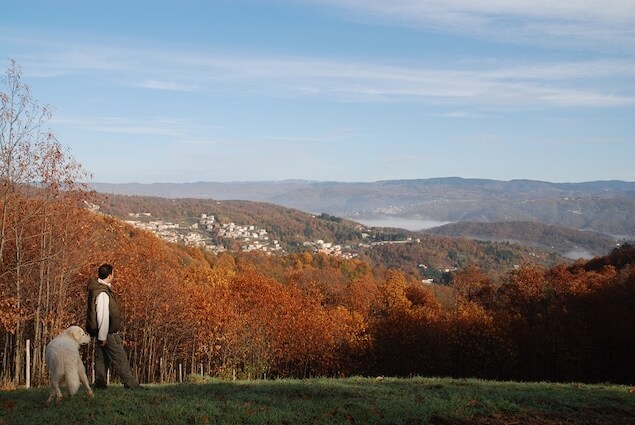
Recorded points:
(393, 292)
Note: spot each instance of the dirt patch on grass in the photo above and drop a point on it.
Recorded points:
(583, 417)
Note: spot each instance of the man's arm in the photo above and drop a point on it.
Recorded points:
(103, 318)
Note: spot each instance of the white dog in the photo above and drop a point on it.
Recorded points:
(65, 364)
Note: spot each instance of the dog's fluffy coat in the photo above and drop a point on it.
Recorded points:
(65, 364)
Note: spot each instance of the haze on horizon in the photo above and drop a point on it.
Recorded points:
(327, 90)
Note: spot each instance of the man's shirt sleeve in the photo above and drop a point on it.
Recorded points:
(103, 316)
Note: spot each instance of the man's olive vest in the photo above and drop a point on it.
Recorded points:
(94, 289)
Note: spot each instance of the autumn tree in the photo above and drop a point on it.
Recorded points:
(40, 191)
(393, 291)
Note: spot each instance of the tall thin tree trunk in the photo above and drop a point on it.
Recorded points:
(37, 361)
(6, 355)
(19, 327)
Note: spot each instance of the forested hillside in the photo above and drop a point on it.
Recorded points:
(568, 242)
(291, 226)
(421, 255)
(438, 258)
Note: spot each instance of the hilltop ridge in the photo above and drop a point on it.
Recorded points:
(607, 207)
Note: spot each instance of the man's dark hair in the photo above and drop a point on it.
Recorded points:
(105, 270)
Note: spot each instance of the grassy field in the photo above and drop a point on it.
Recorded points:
(330, 401)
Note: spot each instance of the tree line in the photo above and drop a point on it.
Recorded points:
(40, 196)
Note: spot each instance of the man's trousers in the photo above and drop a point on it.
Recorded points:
(112, 355)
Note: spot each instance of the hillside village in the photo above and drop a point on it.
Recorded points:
(215, 235)
(208, 233)
(205, 232)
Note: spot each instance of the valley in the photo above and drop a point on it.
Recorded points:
(245, 226)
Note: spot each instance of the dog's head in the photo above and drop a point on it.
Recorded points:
(78, 334)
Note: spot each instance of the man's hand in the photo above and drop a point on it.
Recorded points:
(102, 343)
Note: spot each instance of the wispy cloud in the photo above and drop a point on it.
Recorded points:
(590, 22)
(328, 136)
(173, 129)
(461, 115)
(483, 82)
(547, 84)
(165, 85)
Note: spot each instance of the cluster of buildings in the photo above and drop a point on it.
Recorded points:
(170, 232)
(205, 231)
(208, 233)
(251, 237)
(329, 248)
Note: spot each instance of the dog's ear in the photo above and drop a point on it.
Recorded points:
(76, 332)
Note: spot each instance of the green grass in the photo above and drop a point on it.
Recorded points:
(330, 401)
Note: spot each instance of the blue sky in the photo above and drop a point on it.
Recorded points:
(344, 90)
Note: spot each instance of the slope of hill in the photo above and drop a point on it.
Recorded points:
(602, 206)
(568, 242)
(290, 226)
(420, 255)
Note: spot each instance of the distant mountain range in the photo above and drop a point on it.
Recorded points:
(606, 207)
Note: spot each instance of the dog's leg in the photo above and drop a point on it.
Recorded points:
(55, 389)
(51, 395)
(84, 379)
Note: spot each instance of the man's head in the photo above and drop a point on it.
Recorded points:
(105, 270)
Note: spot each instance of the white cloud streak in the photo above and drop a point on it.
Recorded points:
(165, 85)
(168, 128)
(483, 83)
(599, 23)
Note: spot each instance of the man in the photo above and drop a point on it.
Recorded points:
(103, 321)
